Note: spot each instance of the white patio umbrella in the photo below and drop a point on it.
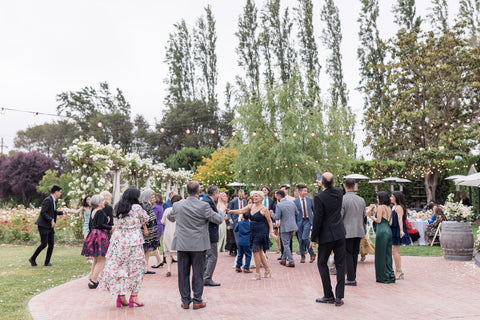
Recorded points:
(391, 181)
(401, 181)
(375, 183)
(457, 186)
(357, 177)
(236, 185)
(472, 180)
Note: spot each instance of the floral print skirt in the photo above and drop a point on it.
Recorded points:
(124, 270)
(96, 243)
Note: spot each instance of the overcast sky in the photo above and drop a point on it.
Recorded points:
(48, 47)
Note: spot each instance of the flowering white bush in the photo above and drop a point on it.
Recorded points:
(456, 210)
(137, 168)
(92, 161)
(476, 247)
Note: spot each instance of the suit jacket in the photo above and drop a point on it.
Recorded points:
(243, 229)
(234, 205)
(167, 204)
(309, 207)
(48, 213)
(353, 215)
(327, 217)
(192, 216)
(286, 211)
(212, 227)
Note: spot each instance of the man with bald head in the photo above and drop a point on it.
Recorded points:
(329, 233)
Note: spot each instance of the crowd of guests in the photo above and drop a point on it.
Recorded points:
(120, 240)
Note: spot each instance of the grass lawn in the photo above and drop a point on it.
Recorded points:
(19, 282)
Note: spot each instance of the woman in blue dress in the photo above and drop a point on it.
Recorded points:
(399, 230)
(260, 226)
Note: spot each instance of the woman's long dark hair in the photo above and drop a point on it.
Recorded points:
(129, 198)
(383, 198)
(84, 201)
(400, 199)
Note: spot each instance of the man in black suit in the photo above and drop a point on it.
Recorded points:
(212, 253)
(46, 225)
(328, 231)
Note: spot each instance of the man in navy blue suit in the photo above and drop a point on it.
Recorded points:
(212, 253)
(46, 225)
(235, 204)
(304, 222)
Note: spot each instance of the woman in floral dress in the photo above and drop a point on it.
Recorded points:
(126, 263)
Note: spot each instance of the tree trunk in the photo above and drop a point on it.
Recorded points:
(431, 181)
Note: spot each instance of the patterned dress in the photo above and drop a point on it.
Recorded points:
(126, 265)
(151, 242)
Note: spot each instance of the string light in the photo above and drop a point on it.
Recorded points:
(187, 131)
(275, 134)
(234, 133)
(2, 112)
(100, 124)
(294, 133)
(212, 131)
(254, 133)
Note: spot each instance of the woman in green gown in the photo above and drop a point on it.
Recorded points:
(383, 243)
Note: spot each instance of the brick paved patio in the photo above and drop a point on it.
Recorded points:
(434, 288)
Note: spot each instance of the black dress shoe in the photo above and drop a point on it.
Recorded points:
(211, 284)
(325, 300)
(158, 266)
(150, 272)
(351, 283)
(32, 262)
(338, 302)
(173, 260)
(49, 265)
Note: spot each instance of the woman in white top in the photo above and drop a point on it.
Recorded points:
(168, 233)
(222, 227)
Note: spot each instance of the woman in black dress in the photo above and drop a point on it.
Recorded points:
(260, 226)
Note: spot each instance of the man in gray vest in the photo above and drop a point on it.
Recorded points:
(353, 215)
(191, 241)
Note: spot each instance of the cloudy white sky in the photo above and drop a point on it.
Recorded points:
(48, 47)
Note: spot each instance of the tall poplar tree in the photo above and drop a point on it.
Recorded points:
(405, 12)
(439, 15)
(308, 51)
(340, 118)
(373, 72)
(248, 50)
(279, 30)
(470, 12)
(179, 58)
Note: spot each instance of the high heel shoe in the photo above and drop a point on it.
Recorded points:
(131, 302)
(401, 276)
(267, 274)
(121, 302)
(92, 284)
(158, 266)
(257, 276)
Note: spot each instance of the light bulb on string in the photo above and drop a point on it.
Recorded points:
(100, 124)
(275, 134)
(254, 133)
(2, 112)
(162, 129)
(187, 131)
(294, 133)
(212, 131)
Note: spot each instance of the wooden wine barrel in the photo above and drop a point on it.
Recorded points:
(456, 240)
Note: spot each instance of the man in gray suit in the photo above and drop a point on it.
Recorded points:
(353, 215)
(191, 241)
(286, 212)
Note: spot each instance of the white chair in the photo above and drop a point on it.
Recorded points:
(370, 230)
(437, 233)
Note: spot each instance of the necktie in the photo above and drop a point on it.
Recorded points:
(54, 205)
(304, 209)
(241, 203)
(265, 202)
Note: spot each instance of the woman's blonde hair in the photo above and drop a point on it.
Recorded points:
(260, 193)
(107, 197)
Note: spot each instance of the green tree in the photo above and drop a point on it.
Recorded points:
(89, 102)
(308, 51)
(278, 30)
(188, 158)
(434, 95)
(248, 50)
(49, 139)
(371, 55)
(469, 11)
(406, 15)
(217, 168)
(181, 80)
(287, 149)
(439, 15)
(53, 177)
(340, 118)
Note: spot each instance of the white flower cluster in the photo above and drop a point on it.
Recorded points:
(456, 210)
(138, 167)
(92, 161)
(477, 242)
